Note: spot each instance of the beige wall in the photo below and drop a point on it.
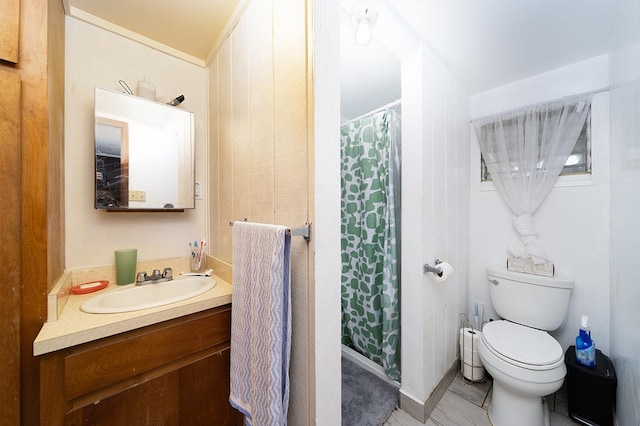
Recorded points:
(97, 57)
(260, 151)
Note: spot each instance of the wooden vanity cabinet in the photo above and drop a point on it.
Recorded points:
(172, 373)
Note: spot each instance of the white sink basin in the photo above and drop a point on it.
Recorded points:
(134, 298)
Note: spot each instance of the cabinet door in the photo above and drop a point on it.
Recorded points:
(204, 392)
(197, 394)
(9, 30)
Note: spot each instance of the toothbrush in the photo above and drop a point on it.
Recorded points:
(200, 251)
(203, 245)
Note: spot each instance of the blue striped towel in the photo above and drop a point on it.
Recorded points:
(261, 323)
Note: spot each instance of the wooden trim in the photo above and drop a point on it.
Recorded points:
(55, 125)
(124, 157)
(10, 242)
(41, 224)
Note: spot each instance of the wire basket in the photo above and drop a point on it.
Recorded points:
(470, 362)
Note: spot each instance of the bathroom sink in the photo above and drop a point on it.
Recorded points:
(134, 298)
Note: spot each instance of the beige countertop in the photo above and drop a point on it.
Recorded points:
(75, 327)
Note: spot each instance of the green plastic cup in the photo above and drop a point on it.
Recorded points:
(126, 266)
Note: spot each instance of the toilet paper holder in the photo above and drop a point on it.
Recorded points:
(470, 362)
(428, 268)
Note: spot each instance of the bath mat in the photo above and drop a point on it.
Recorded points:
(367, 400)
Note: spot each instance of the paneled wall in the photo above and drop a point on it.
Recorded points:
(260, 153)
(435, 222)
(625, 210)
(32, 209)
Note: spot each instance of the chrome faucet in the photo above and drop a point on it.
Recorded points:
(156, 277)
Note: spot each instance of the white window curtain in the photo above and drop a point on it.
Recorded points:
(525, 151)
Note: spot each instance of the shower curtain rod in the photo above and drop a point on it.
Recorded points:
(486, 117)
(389, 105)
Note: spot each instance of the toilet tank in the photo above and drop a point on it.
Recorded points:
(532, 300)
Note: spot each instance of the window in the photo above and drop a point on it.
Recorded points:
(579, 162)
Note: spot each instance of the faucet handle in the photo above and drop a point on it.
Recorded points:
(156, 274)
(167, 273)
(142, 277)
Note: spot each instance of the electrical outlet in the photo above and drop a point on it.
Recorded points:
(137, 195)
(198, 191)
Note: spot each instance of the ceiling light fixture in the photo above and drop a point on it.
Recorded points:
(363, 19)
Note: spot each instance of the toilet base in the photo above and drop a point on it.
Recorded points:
(510, 408)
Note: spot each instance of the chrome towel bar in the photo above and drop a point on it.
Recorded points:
(301, 231)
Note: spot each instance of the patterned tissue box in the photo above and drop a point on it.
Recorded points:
(527, 266)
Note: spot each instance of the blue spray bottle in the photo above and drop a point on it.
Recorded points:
(585, 347)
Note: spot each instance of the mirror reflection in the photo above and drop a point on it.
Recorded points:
(144, 154)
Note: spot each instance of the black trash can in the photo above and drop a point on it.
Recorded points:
(591, 392)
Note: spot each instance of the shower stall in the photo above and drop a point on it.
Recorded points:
(370, 227)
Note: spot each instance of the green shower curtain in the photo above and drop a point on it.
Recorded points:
(370, 238)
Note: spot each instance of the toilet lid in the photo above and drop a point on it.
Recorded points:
(522, 344)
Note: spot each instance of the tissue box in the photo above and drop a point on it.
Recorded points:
(527, 266)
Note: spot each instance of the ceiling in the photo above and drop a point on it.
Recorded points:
(485, 44)
(189, 26)
(493, 42)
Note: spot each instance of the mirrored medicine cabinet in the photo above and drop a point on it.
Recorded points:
(144, 154)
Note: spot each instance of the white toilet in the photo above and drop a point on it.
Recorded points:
(525, 361)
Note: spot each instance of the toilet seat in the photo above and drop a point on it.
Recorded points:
(522, 346)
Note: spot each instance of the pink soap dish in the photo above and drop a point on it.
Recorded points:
(89, 287)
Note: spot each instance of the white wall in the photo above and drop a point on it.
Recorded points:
(625, 211)
(435, 164)
(435, 169)
(572, 223)
(327, 267)
(95, 57)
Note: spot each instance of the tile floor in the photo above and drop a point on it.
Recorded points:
(466, 405)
